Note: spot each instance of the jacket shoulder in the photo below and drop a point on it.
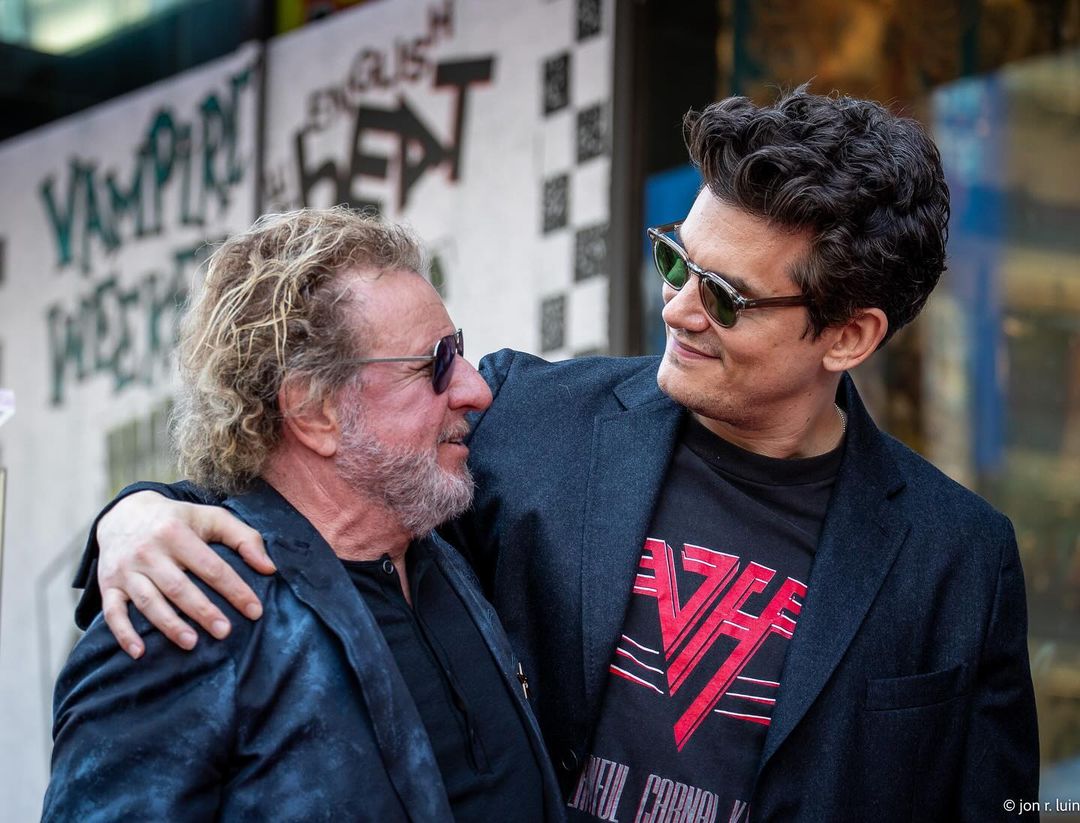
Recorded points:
(939, 497)
(516, 372)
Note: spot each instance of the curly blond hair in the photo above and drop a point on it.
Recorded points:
(274, 307)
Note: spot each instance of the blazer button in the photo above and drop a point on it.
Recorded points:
(568, 760)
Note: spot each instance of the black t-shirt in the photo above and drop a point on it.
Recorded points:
(720, 585)
(480, 743)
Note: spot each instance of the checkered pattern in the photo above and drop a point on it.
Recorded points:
(574, 112)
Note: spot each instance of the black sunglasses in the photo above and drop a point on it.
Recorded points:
(442, 360)
(722, 302)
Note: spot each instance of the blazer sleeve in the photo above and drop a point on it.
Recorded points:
(89, 605)
(1002, 758)
(141, 740)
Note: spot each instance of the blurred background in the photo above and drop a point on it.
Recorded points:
(530, 142)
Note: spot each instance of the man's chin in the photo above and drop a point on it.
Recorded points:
(685, 391)
(669, 379)
(453, 510)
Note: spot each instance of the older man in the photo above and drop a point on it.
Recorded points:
(324, 396)
(737, 596)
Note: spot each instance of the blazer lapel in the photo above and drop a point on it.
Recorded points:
(631, 449)
(464, 582)
(862, 534)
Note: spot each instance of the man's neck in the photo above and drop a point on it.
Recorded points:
(797, 435)
(355, 526)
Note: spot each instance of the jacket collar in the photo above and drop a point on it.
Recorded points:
(641, 388)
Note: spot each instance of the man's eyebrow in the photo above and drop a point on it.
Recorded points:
(740, 285)
(736, 282)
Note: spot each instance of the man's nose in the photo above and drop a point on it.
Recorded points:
(683, 309)
(468, 390)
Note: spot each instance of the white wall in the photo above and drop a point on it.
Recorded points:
(414, 71)
(88, 290)
(86, 326)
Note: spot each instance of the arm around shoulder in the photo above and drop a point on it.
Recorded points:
(147, 543)
(86, 576)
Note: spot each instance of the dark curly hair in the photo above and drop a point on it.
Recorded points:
(866, 184)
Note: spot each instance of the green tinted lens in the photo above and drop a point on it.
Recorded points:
(671, 267)
(718, 303)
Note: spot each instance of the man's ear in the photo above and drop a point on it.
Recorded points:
(856, 340)
(311, 422)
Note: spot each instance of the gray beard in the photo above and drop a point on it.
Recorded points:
(411, 484)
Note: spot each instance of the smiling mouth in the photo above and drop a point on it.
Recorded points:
(686, 347)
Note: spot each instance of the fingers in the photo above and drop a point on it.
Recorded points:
(216, 525)
(146, 597)
(220, 577)
(160, 563)
(148, 600)
(148, 543)
(179, 590)
(114, 608)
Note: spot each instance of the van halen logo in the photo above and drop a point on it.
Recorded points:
(688, 631)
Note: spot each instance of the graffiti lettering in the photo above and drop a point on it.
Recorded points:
(128, 333)
(419, 150)
(407, 61)
(201, 156)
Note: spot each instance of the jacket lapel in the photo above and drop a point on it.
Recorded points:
(631, 449)
(317, 578)
(862, 534)
(463, 580)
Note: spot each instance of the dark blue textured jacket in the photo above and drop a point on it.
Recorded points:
(302, 715)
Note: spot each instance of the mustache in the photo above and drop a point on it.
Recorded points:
(456, 431)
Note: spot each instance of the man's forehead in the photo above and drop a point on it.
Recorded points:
(403, 289)
(742, 247)
(399, 305)
(365, 277)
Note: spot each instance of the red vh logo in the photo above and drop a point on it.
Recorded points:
(690, 630)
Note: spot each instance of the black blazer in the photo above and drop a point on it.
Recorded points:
(906, 691)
